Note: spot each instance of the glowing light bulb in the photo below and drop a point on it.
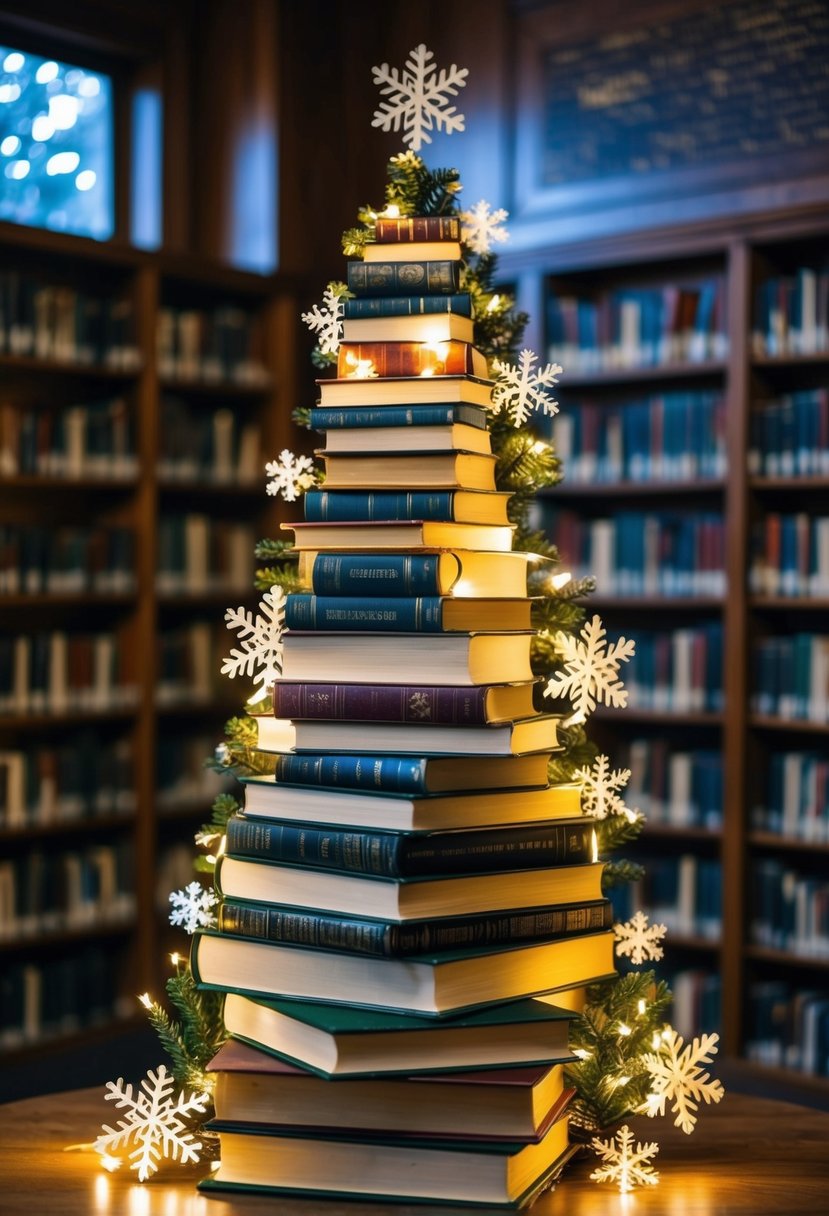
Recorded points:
(561, 580)
(146, 1000)
(594, 845)
(623, 1030)
(110, 1164)
(642, 1006)
(175, 958)
(46, 72)
(62, 162)
(392, 212)
(493, 303)
(13, 62)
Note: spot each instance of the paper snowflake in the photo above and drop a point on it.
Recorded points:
(290, 475)
(521, 390)
(154, 1122)
(599, 789)
(481, 227)
(191, 907)
(259, 655)
(639, 940)
(327, 321)
(676, 1071)
(416, 98)
(591, 669)
(625, 1164)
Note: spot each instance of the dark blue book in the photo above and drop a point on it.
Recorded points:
(407, 306)
(329, 418)
(403, 278)
(409, 614)
(396, 574)
(460, 506)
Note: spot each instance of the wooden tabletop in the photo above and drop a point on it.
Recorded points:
(748, 1157)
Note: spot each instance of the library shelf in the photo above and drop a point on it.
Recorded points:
(643, 374)
(800, 726)
(188, 601)
(67, 599)
(145, 288)
(51, 939)
(661, 830)
(597, 490)
(64, 1043)
(560, 283)
(654, 603)
(792, 844)
(788, 958)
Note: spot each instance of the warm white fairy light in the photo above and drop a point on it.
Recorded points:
(642, 1006)
(561, 580)
(494, 303)
(146, 1000)
(109, 1163)
(624, 1030)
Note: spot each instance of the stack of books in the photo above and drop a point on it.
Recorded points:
(409, 912)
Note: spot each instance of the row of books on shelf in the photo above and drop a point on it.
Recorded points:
(684, 893)
(791, 677)
(788, 1028)
(644, 553)
(204, 445)
(43, 893)
(696, 1004)
(85, 778)
(791, 313)
(199, 554)
(187, 664)
(796, 797)
(95, 439)
(638, 327)
(58, 997)
(664, 437)
(39, 560)
(209, 344)
(790, 555)
(789, 436)
(181, 775)
(49, 321)
(58, 672)
(674, 787)
(679, 671)
(790, 909)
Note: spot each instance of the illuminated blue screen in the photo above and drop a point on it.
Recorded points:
(55, 145)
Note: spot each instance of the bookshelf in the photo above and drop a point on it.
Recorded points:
(142, 394)
(735, 786)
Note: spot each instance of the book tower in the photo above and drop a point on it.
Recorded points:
(408, 910)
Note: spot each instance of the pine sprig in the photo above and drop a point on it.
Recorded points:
(416, 190)
(615, 831)
(282, 568)
(619, 873)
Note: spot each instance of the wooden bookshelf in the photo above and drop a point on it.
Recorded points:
(131, 945)
(743, 251)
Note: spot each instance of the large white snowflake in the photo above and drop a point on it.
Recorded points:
(290, 475)
(191, 907)
(639, 940)
(154, 1122)
(599, 789)
(417, 98)
(521, 390)
(327, 321)
(678, 1077)
(481, 226)
(259, 654)
(591, 669)
(625, 1164)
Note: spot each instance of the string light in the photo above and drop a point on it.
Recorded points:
(146, 1000)
(494, 303)
(623, 1030)
(560, 580)
(642, 1006)
(110, 1164)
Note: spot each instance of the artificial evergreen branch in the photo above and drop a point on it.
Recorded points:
(620, 873)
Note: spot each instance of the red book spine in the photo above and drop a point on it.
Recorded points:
(405, 359)
(417, 228)
(444, 705)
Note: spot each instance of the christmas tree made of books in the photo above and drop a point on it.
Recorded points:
(397, 896)
(404, 985)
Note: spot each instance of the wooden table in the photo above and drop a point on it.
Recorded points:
(748, 1157)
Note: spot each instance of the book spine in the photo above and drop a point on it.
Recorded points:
(406, 306)
(392, 855)
(385, 939)
(398, 574)
(389, 774)
(418, 615)
(443, 705)
(331, 418)
(405, 358)
(322, 506)
(403, 278)
(417, 228)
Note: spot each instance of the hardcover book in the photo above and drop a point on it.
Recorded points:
(408, 535)
(267, 798)
(401, 899)
(411, 470)
(407, 306)
(407, 855)
(415, 775)
(386, 417)
(404, 614)
(435, 985)
(519, 738)
(404, 278)
(458, 658)
(387, 939)
(417, 327)
(370, 358)
(405, 230)
(338, 1041)
(472, 506)
(363, 439)
(414, 251)
(406, 390)
(463, 575)
(253, 1086)
(441, 704)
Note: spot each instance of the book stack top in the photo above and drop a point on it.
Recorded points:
(401, 898)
